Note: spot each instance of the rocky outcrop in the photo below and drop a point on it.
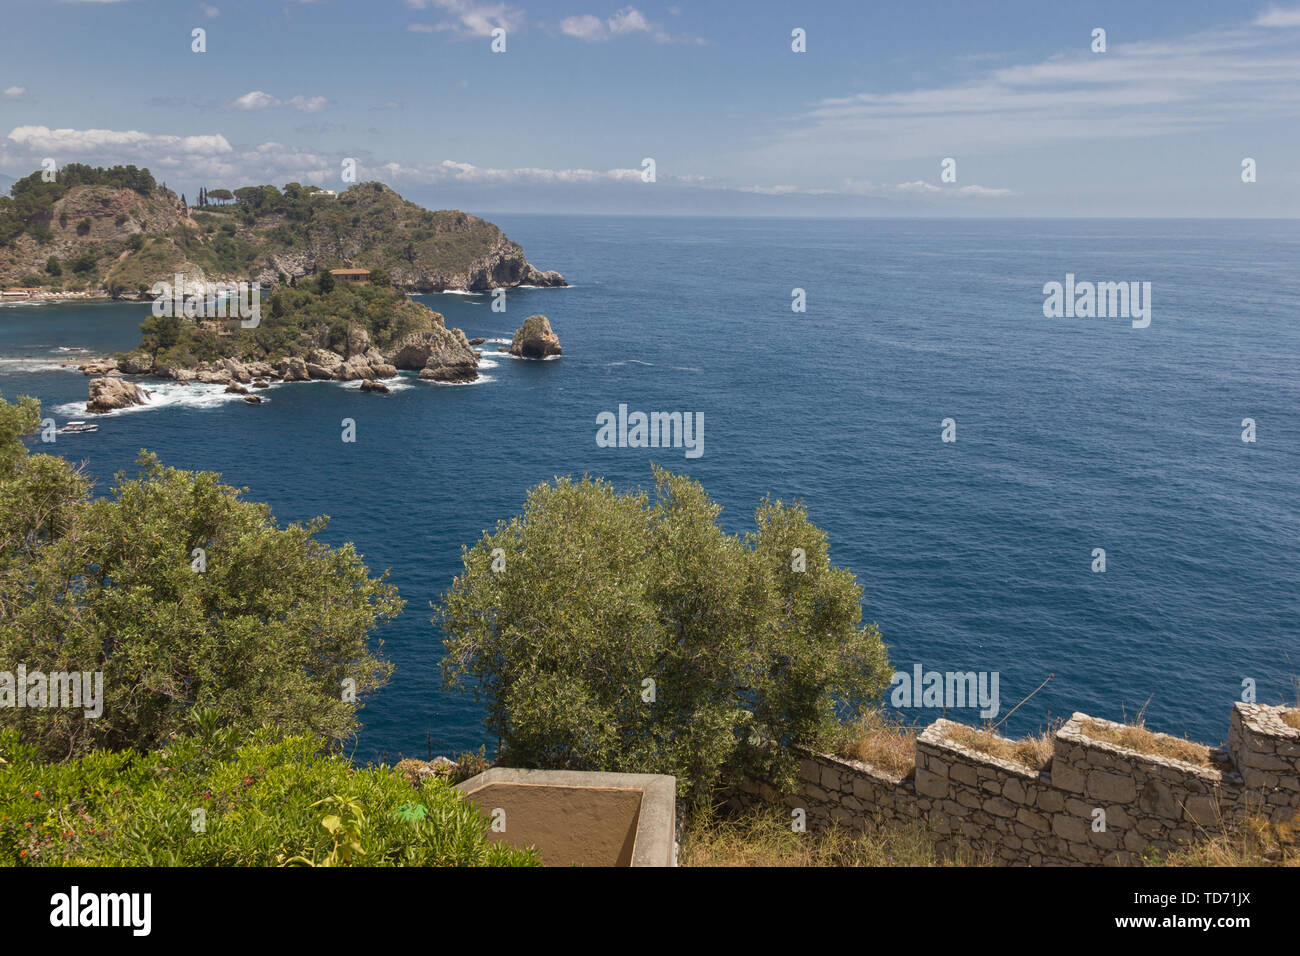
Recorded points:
(137, 363)
(477, 341)
(100, 367)
(293, 370)
(109, 394)
(535, 340)
(441, 355)
(234, 388)
(379, 387)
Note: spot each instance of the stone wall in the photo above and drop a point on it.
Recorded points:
(1095, 803)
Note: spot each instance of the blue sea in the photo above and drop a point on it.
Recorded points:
(974, 555)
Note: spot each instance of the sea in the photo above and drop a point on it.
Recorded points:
(1070, 437)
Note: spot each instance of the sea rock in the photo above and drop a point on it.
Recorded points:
(293, 370)
(262, 370)
(254, 399)
(371, 386)
(234, 388)
(100, 367)
(441, 355)
(108, 394)
(218, 376)
(354, 368)
(261, 383)
(323, 364)
(534, 339)
(503, 348)
(548, 279)
(176, 373)
(238, 372)
(477, 341)
(137, 363)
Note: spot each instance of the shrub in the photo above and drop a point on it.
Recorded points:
(601, 591)
(201, 802)
(268, 630)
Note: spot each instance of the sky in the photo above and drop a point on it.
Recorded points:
(1036, 122)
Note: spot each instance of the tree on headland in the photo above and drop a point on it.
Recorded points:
(184, 596)
(325, 282)
(221, 195)
(614, 632)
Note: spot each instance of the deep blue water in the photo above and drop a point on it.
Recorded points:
(1072, 434)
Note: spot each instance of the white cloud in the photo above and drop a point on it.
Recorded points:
(468, 18)
(626, 22)
(1279, 17)
(209, 11)
(15, 92)
(1136, 90)
(258, 100)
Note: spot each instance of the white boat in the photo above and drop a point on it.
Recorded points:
(77, 428)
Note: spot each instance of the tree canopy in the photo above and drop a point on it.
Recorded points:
(617, 632)
(184, 595)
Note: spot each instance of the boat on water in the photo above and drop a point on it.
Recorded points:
(77, 428)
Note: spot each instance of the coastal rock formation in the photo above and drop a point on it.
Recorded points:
(109, 394)
(137, 363)
(534, 339)
(477, 341)
(441, 355)
(238, 372)
(261, 383)
(234, 388)
(176, 374)
(100, 367)
(371, 386)
(293, 370)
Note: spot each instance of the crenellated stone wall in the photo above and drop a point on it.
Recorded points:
(1096, 803)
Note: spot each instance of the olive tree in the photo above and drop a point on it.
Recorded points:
(624, 632)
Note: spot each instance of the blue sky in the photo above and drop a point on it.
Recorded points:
(737, 123)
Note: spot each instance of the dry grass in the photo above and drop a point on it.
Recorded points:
(881, 742)
(1292, 717)
(1033, 753)
(765, 838)
(1135, 736)
(1254, 843)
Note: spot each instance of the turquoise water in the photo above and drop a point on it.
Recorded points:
(1072, 434)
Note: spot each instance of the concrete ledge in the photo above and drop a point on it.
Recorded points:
(581, 817)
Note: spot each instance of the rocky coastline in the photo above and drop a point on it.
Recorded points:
(437, 355)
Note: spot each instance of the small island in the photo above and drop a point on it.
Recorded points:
(320, 330)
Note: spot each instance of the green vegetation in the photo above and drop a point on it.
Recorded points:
(31, 200)
(293, 321)
(231, 235)
(273, 627)
(595, 591)
(203, 802)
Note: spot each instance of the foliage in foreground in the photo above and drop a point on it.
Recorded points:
(266, 631)
(597, 593)
(198, 802)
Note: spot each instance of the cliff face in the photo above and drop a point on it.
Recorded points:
(119, 240)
